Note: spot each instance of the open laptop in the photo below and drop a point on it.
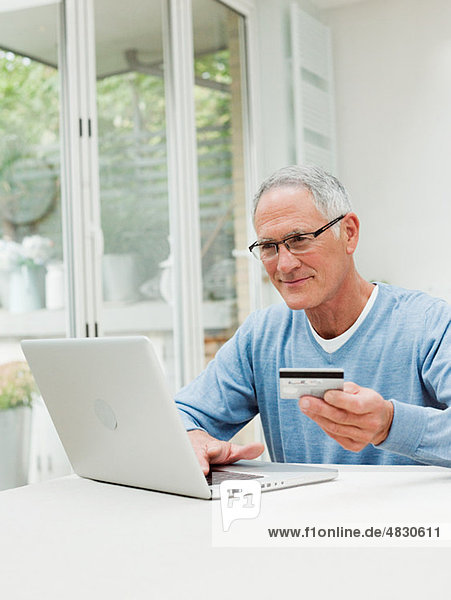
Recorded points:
(112, 409)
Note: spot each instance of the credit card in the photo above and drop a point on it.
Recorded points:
(294, 383)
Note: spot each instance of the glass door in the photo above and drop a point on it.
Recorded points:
(220, 68)
(137, 263)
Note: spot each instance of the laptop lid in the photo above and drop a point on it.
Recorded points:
(111, 407)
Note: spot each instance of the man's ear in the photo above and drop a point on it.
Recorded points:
(350, 231)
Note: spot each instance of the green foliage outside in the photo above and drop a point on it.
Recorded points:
(29, 148)
(17, 386)
(29, 93)
(132, 156)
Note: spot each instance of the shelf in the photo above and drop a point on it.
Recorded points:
(138, 317)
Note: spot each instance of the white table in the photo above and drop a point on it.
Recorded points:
(74, 538)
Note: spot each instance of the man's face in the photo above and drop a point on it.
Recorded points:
(314, 278)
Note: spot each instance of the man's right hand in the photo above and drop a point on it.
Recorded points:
(210, 451)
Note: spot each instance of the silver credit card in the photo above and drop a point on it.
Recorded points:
(294, 383)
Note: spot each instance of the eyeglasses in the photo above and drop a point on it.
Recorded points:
(297, 243)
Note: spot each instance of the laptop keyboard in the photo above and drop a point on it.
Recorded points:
(219, 476)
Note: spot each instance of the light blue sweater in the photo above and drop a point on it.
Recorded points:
(402, 350)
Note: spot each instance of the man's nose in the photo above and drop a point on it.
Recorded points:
(286, 261)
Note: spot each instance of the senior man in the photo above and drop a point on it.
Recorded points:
(393, 344)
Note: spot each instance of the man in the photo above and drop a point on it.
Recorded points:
(393, 344)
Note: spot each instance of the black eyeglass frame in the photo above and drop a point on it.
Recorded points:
(309, 235)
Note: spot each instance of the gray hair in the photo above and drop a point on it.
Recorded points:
(329, 195)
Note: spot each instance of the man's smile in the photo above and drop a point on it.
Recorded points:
(292, 282)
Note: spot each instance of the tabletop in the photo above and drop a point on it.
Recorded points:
(75, 538)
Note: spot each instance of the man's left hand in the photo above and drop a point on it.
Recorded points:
(354, 417)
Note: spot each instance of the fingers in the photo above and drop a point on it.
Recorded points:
(209, 450)
(204, 463)
(312, 405)
(247, 452)
(350, 436)
(219, 452)
(353, 398)
(348, 443)
(354, 417)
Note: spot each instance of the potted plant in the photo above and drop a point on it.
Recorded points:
(17, 392)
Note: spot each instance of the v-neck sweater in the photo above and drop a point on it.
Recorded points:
(402, 350)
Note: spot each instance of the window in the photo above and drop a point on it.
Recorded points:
(146, 157)
(220, 111)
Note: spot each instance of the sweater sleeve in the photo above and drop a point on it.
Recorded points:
(423, 433)
(222, 399)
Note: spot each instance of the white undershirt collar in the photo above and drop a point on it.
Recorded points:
(337, 342)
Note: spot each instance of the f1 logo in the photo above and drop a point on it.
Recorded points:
(240, 499)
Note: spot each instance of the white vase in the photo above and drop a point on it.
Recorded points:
(166, 281)
(27, 289)
(54, 286)
(15, 431)
(4, 287)
(120, 278)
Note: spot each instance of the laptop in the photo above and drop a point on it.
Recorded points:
(112, 409)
